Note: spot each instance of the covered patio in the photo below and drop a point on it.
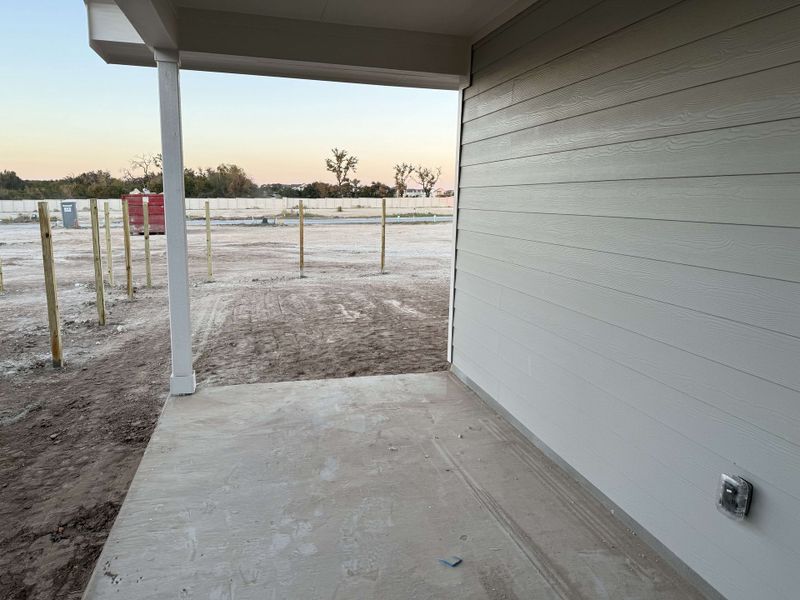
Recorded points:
(355, 488)
(624, 290)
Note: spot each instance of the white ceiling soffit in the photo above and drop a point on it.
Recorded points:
(425, 43)
(463, 18)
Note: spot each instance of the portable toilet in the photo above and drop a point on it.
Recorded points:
(69, 215)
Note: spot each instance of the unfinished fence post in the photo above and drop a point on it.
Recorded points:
(53, 320)
(98, 264)
(383, 233)
(146, 222)
(208, 240)
(300, 208)
(107, 212)
(126, 235)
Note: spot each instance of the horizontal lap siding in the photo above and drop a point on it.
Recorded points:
(752, 200)
(628, 261)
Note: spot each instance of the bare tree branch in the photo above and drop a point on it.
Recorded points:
(427, 178)
(402, 172)
(341, 165)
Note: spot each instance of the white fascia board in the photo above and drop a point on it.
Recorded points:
(221, 63)
(112, 36)
(109, 24)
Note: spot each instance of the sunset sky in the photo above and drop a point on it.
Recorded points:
(65, 111)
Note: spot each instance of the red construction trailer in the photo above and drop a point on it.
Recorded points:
(155, 213)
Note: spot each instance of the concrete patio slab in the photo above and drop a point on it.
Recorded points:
(355, 488)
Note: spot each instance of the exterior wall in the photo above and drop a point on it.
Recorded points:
(628, 262)
(12, 208)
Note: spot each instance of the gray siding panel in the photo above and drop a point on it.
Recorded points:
(542, 17)
(520, 76)
(628, 261)
(763, 302)
(766, 354)
(744, 200)
(772, 147)
(763, 96)
(762, 251)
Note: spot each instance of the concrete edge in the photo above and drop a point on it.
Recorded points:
(96, 569)
(669, 557)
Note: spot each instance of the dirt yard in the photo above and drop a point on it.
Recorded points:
(71, 439)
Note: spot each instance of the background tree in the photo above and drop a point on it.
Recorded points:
(224, 181)
(376, 189)
(93, 184)
(427, 178)
(319, 189)
(341, 165)
(402, 172)
(143, 172)
(10, 181)
(192, 182)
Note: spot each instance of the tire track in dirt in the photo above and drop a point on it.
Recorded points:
(206, 321)
(301, 329)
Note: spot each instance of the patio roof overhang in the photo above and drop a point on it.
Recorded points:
(418, 43)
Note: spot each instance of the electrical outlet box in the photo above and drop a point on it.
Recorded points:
(733, 496)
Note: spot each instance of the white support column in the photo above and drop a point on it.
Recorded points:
(182, 380)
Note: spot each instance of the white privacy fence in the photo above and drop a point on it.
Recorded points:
(14, 208)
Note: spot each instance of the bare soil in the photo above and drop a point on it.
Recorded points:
(71, 439)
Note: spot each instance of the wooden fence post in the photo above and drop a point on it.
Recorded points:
(383, 234)
(98, 264)
(126, 235)
(53, 320)
(302, 258)
(1, 275)
(146, 220)
(107, 212)
(208, 240)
